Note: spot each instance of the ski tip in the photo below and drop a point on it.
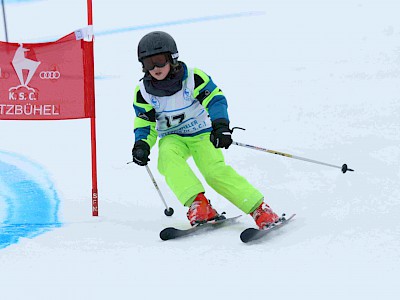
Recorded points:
(167, 233)
(247, 234)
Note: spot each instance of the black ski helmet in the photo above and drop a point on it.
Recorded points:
(157, 42)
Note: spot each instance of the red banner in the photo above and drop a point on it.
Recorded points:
(47, 81)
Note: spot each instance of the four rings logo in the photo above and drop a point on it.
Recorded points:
(49, 75)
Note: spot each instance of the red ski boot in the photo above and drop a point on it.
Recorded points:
(201, 210)
(264, 216)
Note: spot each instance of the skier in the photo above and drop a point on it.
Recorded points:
(188, 112)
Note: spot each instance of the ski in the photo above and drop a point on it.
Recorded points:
(173, 233)
(252, 234)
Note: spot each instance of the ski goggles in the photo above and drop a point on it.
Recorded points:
(159, 61)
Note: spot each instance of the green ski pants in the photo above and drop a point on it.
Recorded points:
(174, 151)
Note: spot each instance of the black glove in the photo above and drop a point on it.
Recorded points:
(140, 153)
(221, 135)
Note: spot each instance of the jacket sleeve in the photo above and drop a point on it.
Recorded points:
(210, 96)
(145, 120)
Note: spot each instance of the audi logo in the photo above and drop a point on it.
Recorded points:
(49, 75)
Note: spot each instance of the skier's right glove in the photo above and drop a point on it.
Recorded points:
(140, 153)
(221, 135)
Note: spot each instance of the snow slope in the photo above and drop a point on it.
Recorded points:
(318, 79)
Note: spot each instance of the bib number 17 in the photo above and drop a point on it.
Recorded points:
(174, 120)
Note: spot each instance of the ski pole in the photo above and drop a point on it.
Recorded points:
(344, 167)
(169, 211)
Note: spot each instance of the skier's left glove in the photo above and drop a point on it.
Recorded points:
(221, 135)
(140, 153)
